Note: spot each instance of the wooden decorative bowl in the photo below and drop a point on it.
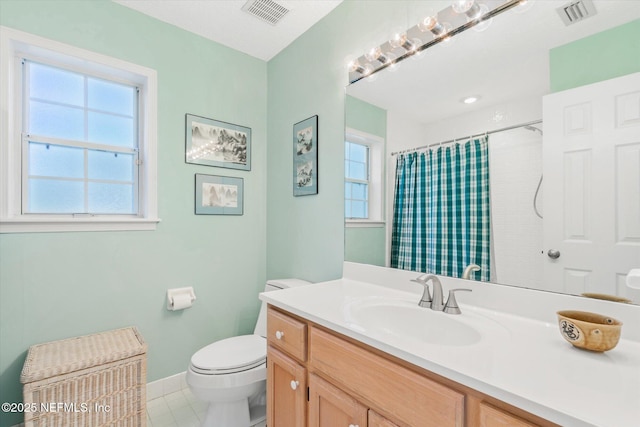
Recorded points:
(590, 331)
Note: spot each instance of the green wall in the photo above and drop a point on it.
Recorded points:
(602, 56)
(305, 235)
(57, 285)
(365, 117)
(365, 244)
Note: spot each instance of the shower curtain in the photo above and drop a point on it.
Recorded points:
(441, 218)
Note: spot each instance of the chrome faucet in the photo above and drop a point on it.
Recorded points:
(436, 303)
(470, 269)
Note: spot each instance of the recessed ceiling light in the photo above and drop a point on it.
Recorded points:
(470, 99)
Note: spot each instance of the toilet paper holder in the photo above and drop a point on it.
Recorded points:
(180, 298)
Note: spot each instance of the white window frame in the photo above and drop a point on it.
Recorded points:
(376, 195)
(15, 45)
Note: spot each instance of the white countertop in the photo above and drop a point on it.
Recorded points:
(531, 366)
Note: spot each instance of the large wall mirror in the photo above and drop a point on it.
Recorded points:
(514, 67)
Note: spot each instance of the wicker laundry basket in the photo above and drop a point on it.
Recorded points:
(89, 381)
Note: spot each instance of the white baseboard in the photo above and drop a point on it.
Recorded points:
(168, 385)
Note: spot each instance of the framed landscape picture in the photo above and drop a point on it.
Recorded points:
(305, 157)
(213, 143)
(219, 195)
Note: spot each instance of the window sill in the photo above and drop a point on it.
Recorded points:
(363, 223)
(48, 225)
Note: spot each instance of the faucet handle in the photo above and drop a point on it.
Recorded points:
(425, 301)
(451, 307)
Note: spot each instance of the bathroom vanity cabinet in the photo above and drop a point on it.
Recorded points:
(319, 378)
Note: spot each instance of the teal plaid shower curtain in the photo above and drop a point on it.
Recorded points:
(441, 216)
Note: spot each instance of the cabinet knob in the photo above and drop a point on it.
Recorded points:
(279, 335)
(354, 425)
(294, 384)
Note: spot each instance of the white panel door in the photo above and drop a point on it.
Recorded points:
(591, 167)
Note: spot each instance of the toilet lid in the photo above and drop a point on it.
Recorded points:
(231, 354)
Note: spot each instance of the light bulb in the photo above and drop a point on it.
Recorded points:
(484, 23)
(401, 40)
(376, 54)
(373, 54)
(398, 40)
(446, 37)
(356, 67)
(431, 24)
(468, 7)
(388, 58)
(461, 6)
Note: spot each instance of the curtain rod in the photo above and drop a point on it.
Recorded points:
(422, 147)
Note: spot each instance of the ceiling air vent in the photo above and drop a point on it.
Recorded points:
(576, 11)
(266, 10)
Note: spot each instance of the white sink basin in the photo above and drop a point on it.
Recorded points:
(406, 319)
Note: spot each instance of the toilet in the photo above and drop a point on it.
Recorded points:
(231, 374)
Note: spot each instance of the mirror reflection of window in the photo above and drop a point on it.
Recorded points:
(356, 166)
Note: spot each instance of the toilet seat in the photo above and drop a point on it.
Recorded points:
(230, 355)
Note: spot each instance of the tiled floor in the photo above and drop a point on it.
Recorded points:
(179, 409)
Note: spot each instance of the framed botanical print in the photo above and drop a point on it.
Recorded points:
(305, 157)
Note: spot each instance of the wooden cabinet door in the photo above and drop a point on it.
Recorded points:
(377, 420)
(494, 417)
(331, 407)
(286, 391)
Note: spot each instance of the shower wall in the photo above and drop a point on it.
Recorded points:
(515, 164)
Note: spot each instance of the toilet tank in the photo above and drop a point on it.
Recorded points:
(274, 285)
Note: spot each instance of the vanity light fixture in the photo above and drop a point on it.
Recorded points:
(431, 30)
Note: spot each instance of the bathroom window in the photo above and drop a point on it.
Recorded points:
(79, 143)
(363, 178)
(80, 155)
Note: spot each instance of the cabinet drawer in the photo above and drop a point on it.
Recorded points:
(287, 334)
(408, 398)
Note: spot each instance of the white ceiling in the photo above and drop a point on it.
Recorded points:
(224, 21)
(506, 62)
